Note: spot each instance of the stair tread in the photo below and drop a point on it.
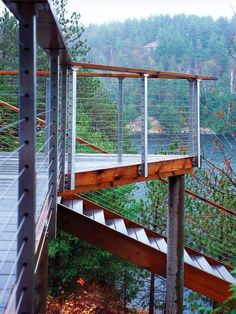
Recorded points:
(98, 215)
(203, 263)
(110, 223)
(120, 225)
(75, 205)
(224, 273)
(141, 235)
(131, 232)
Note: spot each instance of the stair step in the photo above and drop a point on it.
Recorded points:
(78, 206)
(89, 213)
(110, 223)
(131, 232)
(203, 263)
(187, 258)
(224, 273)
(141, 235)
(99, 216)
(75, 205)
(120, 225)
(161, 243)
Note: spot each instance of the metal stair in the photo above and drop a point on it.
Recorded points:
(141, 246)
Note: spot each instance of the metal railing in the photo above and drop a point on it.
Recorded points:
(39, 142)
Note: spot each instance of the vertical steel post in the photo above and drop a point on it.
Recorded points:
(120, 119)
(53, 156)
(47, 131)
(144, 126)
(194, 120)
(62, 156)
(175, 244)
(71, 128)
(197, 82)
(27, 139)
(191, 126)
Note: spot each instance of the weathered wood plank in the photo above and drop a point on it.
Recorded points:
(121, 175)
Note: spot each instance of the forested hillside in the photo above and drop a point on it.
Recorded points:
(179, 43)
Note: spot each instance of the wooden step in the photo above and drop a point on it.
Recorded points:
(98, 215)
(187, 258)
(120, 225)
(224, 273)
(110, 223)
(141, 235)
(202, 274)
(203, 263)
(89, 213)
(75, 205)
(131, 232)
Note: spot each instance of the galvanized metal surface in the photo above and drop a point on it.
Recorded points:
(53, 156)
(27, 181)
(144, 126)
(120, 119)
(71, 128)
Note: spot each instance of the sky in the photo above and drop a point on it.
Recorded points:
(104, 11)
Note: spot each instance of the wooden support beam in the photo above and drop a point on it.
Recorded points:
(175, 244)
(104, 178)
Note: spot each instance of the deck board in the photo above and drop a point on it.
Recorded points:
(8, 216)
(100, 171)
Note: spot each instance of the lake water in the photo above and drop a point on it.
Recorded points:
(217, 148)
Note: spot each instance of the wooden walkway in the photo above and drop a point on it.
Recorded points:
(8, 216)
(99, 171)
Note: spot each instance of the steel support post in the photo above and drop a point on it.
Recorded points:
(47, 130)
(175, 244)
(197, 89)
(144, 126)
(194, 120)
(120, 119)
(53, 155)
(62, 156)
(27, 139)
(71, 128)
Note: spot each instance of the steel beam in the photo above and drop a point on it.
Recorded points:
(175, 244)
(53, 155)
(71, 128)
(144, 126)
(120, 119)
(62, 156)
(27, 140)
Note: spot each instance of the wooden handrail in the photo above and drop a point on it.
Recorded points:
(124, 72)
(42, 122)
(201, 198)
(151, 73)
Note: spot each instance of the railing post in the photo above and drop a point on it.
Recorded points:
(47, 130)
(175, 244)
(53, 155)
(120, 119)
(198, 122)
(71, 128)
(194, 120)
(143, 171)
(27, 139)
(62, 156)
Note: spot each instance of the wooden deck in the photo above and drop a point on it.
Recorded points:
(93, 171)
(8, 216)
(99, 171)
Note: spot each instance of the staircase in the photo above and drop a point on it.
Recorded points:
(143, 247)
